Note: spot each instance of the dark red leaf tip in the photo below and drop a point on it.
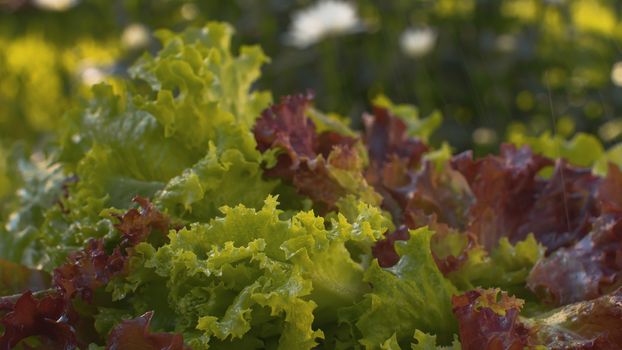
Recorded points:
(137, 224)
(45, 317)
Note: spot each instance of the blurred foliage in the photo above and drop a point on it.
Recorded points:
(495, 67)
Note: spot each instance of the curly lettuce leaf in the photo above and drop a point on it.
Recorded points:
(424, 341)
(386, 137)
(197, 68)
(582, 271)
(324, 166)
(434, 195)
(594, 324)
(44, 318)
(583, 149)
(513, 201)
(466, 263)
(439, 191)
(488, 322)
(411, 295)
(135, 334)
(198, 192)
(506, 266)
(253, 278)
(61, 316)
(589, 268)
(198, 100)
(179, 132)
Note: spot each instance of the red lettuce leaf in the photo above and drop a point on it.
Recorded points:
(285, 126)
(92, 267)
(442, 193)
(592, 266)
(306, 155)
(562, 210)
(609, 193)
(388, 179)
(384, 250)
(488, 323)
(392, 156)
(314, 178)
(328, 140)
(386, 136)
(51, 317)
(513, 201)
(415, 194)
(88, 269)
(446, 260)
(436, 197)
(587, 325)
(47, 317)
(583, 271)
(504, 187)
(135, 335)
(136, 225)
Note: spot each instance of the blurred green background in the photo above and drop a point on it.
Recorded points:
(493, 68)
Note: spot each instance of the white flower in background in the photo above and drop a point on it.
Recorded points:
(416, 42)
(55, 5)
(91, 75)
(135, 36)
(484, 136)
(616, 74)
(324, 18)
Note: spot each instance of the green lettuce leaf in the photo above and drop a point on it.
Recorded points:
(252, 279)
(218, 178)
(411, 295)
(612, 155)
(179, 132)
(196, 69)
(582, 150)
(506, 266)
(423, 341)
(195, 115)
(426, 341)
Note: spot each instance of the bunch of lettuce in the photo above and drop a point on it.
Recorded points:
(182, 209)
